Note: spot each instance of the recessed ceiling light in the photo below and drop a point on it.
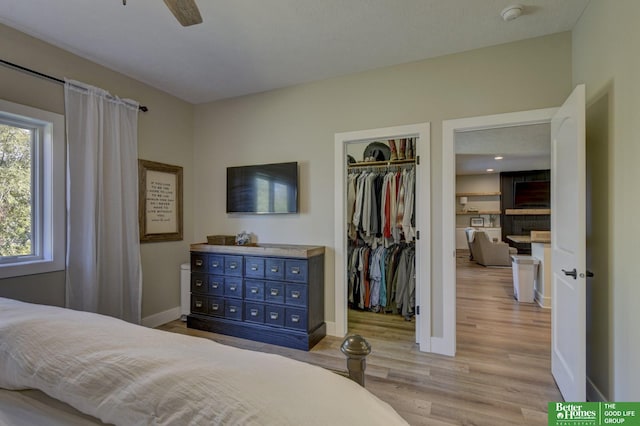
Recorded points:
(489, 170)
(498, 157)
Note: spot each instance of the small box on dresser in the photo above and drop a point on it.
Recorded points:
(270, 293)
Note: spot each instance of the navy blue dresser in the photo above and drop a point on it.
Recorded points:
(271, 293)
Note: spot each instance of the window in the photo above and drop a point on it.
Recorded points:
(32, 203)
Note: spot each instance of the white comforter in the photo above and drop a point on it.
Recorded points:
(130, 375)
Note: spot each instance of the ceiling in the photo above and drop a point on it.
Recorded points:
(522, 148)
(250, 46)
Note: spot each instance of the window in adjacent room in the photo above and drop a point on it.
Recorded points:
(31, 190)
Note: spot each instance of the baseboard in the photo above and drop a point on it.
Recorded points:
(593, 393)
(442, 346)
(160, 318)
(331, 329)
(543, 302)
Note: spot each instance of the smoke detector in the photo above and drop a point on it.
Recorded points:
(510, 13)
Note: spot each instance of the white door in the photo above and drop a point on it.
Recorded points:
(568, 223)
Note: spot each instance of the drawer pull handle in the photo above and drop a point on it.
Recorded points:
(254, 290)
(233, 288)
(215, 285)
(295, 318)
(214, 306)
(233, 266)
(232, 309)
(254, 312)
(274, 269)
(254, 267)
(215, 264)
(273, 315)
(295, 270)
(198, 262)
(198, 304)
(295, 294)
(198, 283)
(274, 292)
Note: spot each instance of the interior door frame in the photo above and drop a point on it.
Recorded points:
(423, 222)
(447, 344)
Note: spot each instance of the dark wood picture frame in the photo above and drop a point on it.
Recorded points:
(160, 202)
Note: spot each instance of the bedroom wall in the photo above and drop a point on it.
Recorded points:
(165, 134)
(298, 124)
(605, 57)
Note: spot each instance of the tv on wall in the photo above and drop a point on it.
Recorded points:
(263, 188)
(533, 194)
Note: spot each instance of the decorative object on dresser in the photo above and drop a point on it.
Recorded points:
(271, 293)
(221, 240)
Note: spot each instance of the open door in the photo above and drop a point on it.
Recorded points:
(568, 227)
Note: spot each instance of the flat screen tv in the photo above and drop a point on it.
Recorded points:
(263, 188)
(535, 194)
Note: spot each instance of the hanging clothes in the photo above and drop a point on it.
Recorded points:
(381, 231)
(381, 206)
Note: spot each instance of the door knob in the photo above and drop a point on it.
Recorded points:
(572, 273)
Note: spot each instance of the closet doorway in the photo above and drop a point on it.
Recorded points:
(414, 250)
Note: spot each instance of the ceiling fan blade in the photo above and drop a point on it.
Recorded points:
(185, 11)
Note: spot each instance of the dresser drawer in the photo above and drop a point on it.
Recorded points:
(274, 269)
(199, 283)
(274, 292)
(198, 304)
(216, 307)
(296, 294)
(296, 270)
(295, 318)
(215, 264)
(233, 265)
(233, 309)
(254, 312)
(254, 290)
(254, 267)
(233, 287)
(198, 262)
(216, 285)
(274, 315)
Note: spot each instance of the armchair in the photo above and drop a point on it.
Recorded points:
(489, 253)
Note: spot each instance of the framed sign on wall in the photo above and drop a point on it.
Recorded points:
(160, 202)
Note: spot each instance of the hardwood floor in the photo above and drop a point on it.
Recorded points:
(501, 374)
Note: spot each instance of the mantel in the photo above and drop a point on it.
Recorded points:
(513, 212)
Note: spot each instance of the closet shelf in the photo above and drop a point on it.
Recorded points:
(382, 163)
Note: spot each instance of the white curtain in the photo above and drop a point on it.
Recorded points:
(104, 274)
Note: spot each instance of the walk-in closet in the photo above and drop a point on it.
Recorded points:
(383, 238)
(381, 233)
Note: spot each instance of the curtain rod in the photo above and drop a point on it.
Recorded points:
(46, 76)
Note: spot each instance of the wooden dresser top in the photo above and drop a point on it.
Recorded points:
(262, 249)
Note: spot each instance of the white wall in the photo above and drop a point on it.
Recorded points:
(299, 123)
(605, 57)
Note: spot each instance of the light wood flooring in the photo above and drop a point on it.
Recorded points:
(499, 376)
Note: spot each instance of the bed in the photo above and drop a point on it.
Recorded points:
(118, 373)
